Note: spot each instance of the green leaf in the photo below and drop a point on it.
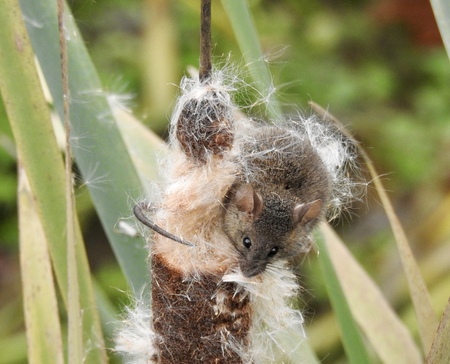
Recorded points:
(247, 38)
(98, 147)
(29, 118)
(40, 157)
(144, 146)
(426, 317)
(351, 337)
(387, 334)
(39, 295)
(74, 329)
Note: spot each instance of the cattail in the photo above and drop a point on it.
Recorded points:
(203, 307)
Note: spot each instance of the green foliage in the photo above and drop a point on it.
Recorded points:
(393, 92)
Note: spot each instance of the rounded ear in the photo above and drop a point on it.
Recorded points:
(247, 200)
(305, 212)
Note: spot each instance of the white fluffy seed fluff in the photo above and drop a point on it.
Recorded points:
(338, 155)
(136, 338)
(274, 321)
(191, 208)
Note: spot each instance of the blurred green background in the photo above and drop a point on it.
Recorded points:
(378, 66)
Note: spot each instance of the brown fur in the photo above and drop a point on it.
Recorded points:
(281, 194)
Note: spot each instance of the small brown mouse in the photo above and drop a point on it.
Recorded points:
(279, 196)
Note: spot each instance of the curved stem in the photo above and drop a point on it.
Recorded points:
(147, 222)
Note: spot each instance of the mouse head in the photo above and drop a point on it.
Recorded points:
(267, 228)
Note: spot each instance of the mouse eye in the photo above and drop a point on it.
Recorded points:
(273, 251)
(247, 242)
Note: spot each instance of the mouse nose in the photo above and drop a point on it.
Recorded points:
(252, 270)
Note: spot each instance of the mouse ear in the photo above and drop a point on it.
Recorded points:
(305, 212)
(247, 200)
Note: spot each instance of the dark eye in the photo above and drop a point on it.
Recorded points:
(247, 242)
(273, 251)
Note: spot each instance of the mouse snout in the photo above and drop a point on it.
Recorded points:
(251, 269)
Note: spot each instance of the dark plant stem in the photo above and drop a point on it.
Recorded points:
(205, 41)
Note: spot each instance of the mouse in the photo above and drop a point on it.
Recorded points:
(280, 194)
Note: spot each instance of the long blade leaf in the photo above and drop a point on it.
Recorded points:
(440, 349)
(426, 317)
(75, 336)
(39, 295)
(110, 176)
(387, 334)
(441, 9)
(247, 38)
(30, 121)
(351, 337)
